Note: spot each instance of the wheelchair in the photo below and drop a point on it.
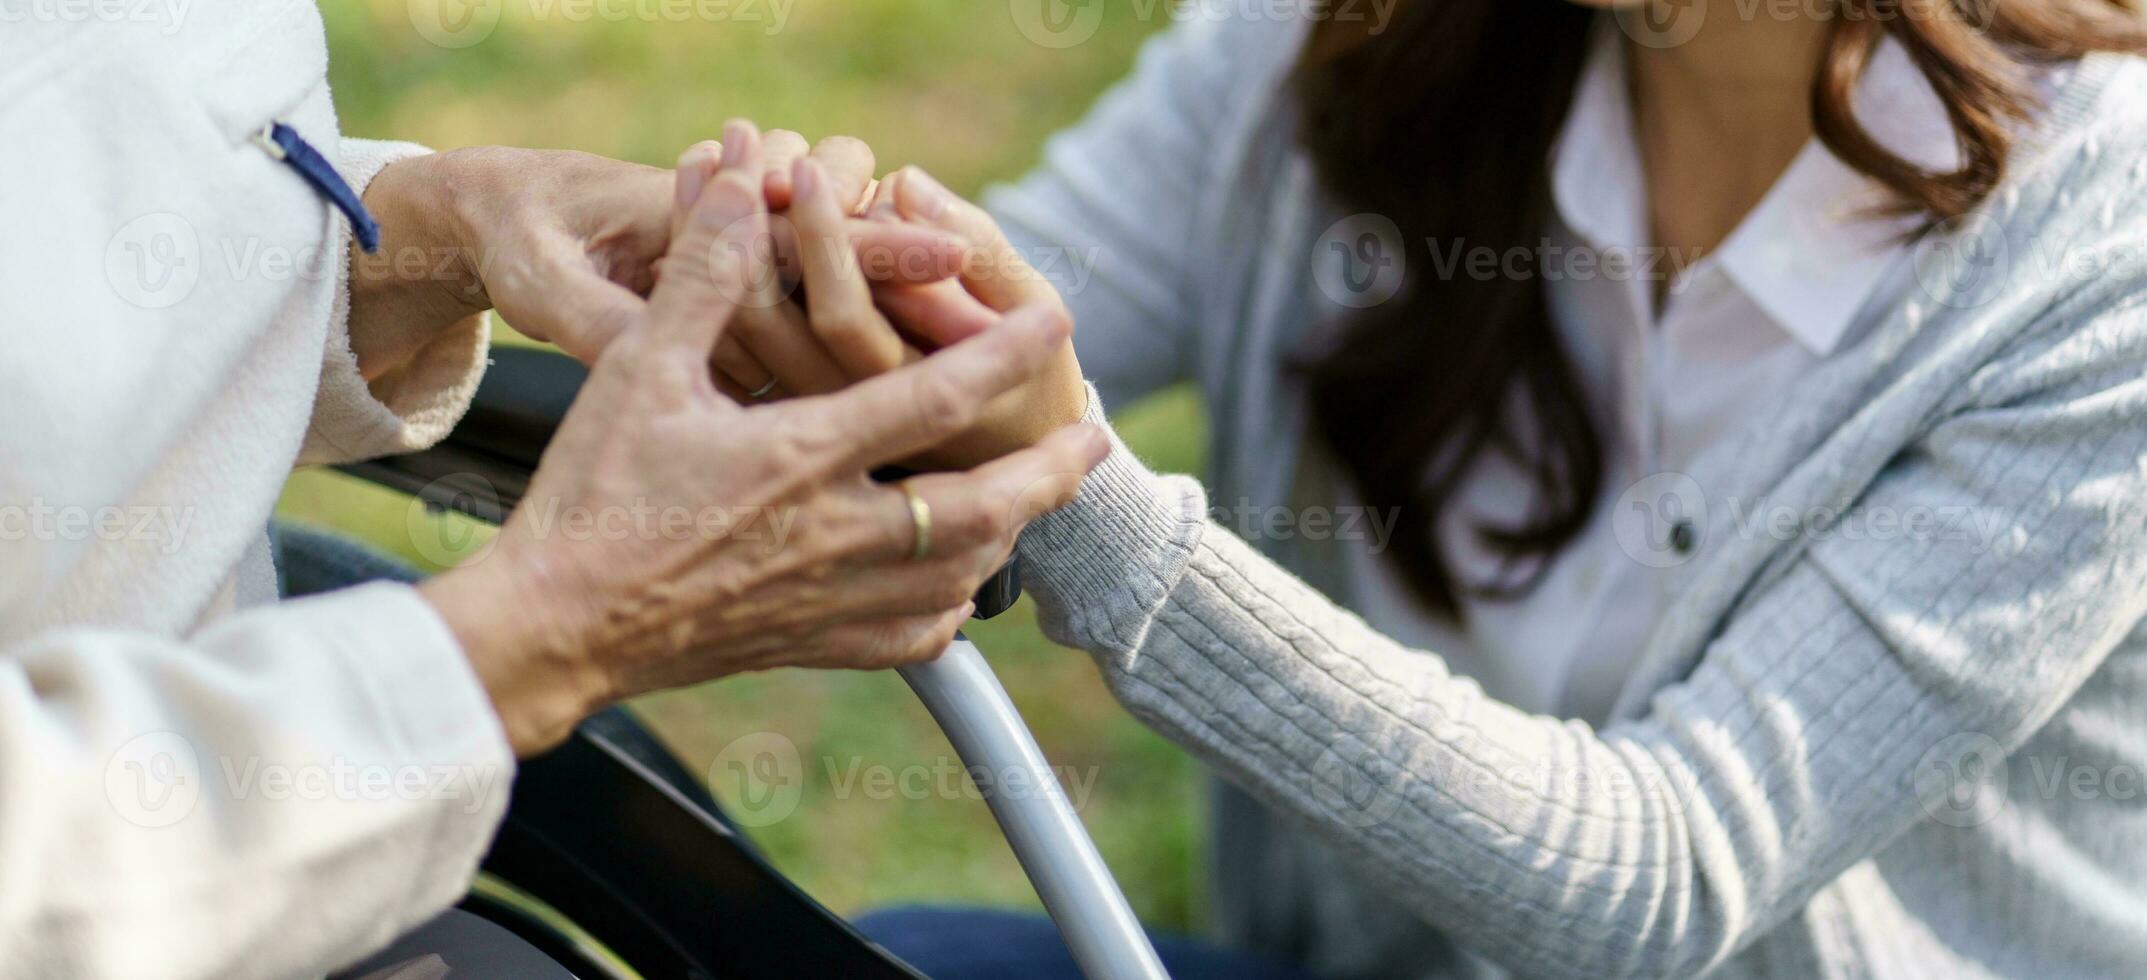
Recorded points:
(614, 862)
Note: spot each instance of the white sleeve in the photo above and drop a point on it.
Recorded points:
(285, 792)
(414, 406)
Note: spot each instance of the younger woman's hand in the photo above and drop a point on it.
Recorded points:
(864, 325)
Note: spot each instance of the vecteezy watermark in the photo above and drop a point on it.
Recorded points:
(945, 778)
(1662, 23)
(1369, 791)
(1663, 520)
(1362, 261)
(1553, 262)
(767, 528)
(1963, 780)
(1255, 522)
(155, 261)
(167, 16)
(1363, 790)
(1057, 23)
(162, 525)
(1669, 23)
(1965, 261)
(464, 23)
(1967, 779)
(1356, 796)
(1067, 23)
(1968, 261)
(762, 777)
(158, 779)
(154, 780)
(643, 520)
(1659, 520)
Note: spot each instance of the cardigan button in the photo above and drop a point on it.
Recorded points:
(1683, 536)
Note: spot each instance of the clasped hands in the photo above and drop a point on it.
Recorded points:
(912, 340)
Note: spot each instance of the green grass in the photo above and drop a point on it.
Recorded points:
(951, 85)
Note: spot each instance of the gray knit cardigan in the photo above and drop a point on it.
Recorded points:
(1899, 732)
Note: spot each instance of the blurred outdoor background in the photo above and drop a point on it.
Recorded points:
(968, 90)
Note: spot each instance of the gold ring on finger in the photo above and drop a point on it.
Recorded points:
(920, 518)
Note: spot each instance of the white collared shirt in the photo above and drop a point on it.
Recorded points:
(1737, 328)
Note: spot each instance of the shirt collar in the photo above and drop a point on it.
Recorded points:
(1812, 251)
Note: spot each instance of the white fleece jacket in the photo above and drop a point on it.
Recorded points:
(194, 783)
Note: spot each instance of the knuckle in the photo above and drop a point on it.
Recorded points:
(1056, 311)
(787, 446)
(701, 151)
(940, 405)
(843, 320)
(833, 309)
(923, 651)
(994, 519)
(952, 590)
(617, 321)
(863, 526)
(988, 562)
(737, 182)
(754, 323)
(667, 376)
(901, 644)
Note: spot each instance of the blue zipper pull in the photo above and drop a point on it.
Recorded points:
(283, 143)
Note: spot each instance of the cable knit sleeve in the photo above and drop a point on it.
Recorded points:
(405, 410)
(1658, 846)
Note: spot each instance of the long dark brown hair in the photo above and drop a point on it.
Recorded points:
(1443, 122)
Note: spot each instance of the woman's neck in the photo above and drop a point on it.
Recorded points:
(1720, 117)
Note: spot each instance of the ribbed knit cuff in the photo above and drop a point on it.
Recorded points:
(1100, 567)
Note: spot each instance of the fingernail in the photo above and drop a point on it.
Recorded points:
(694, 167)
(804, 179)
(969, 609)
(735, 134)
(928, 197)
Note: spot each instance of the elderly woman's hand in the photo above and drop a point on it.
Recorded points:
(672, 536)
(564, 245)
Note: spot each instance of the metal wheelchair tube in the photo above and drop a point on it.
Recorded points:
(971, 706)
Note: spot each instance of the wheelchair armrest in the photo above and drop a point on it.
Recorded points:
(483, 468)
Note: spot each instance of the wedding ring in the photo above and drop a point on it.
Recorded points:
(920, 518)
(761, 392)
